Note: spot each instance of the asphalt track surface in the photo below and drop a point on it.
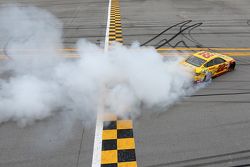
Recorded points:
(53, 142)
(211, 128)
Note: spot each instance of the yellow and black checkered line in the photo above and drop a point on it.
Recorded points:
(115, 28)
(118, 143)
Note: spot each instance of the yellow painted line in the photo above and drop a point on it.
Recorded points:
(113, 30)
(35, 50)
(3, 57)
(236, 53)
(233, 54)
(71, 56)
(188, 49)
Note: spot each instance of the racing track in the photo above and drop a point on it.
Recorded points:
(211, 128)
(54, 142)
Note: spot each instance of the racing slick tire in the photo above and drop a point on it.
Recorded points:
(232, 66)
(208, 77)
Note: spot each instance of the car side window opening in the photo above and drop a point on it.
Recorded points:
(214, 62)
(210, 63)
(218, 61)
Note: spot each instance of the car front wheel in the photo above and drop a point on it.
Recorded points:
(208, 77)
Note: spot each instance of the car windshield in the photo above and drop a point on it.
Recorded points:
(196, 61)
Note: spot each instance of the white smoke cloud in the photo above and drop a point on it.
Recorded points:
(43, 83)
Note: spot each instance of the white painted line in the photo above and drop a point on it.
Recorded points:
(97, 150)
(96, 159)
(107, 29)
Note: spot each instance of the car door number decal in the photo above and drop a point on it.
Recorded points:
(221, 67)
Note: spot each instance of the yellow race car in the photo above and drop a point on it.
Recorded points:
(208, 65)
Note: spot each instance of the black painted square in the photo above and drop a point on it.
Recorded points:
(108, 125)
(124, 133)
(126, 155)
(109, 144)
(109, 165)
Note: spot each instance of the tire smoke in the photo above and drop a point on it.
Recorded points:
(36, 82)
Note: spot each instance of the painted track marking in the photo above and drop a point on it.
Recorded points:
(160, 49)
(118, 144)
(96, 158)
(163, 53)
(114, 144)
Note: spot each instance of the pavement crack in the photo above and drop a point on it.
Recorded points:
(80, 148)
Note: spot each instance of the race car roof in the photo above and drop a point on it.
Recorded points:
(207, 55)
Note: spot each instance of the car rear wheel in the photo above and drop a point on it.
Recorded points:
(232, 66)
